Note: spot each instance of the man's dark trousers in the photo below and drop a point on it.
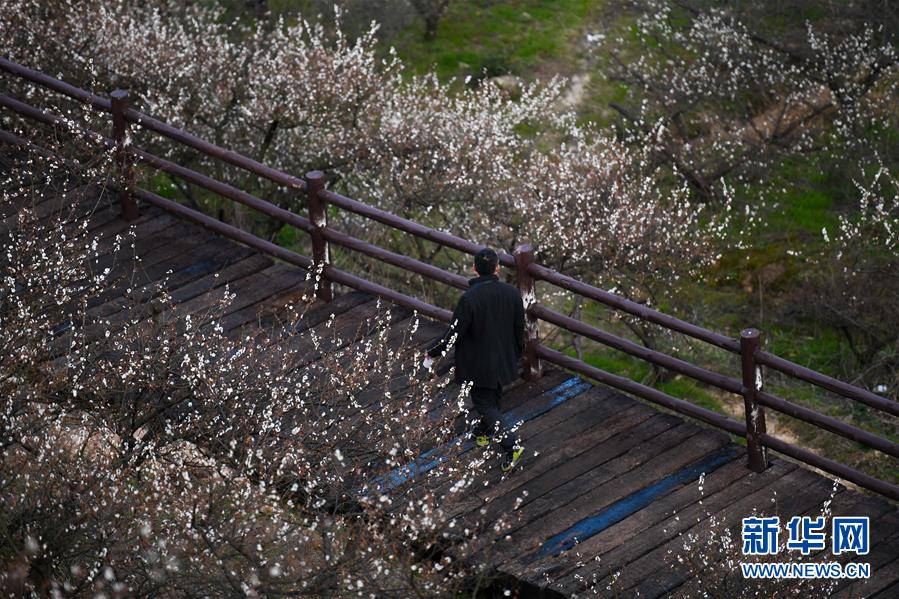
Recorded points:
(486, 403)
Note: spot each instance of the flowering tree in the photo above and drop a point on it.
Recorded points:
(853, 284)
(716, 95)
(169, 455)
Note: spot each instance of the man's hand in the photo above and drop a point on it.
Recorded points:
(428, 361)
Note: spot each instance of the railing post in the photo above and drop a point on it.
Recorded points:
(750, 340)
(321, 256)
(119, 101)
(524, 255)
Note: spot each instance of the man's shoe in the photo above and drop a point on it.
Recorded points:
(482, 440)
(512, 461)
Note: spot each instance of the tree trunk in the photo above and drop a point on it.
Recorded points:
(431, 23)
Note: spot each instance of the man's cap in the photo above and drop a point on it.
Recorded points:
(485, 261)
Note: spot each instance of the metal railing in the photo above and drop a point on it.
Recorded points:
(528, 272)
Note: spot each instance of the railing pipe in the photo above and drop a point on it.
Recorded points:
(412, 227)
(223, 189)
(55, 84)
(410, 264)
(224, 229)
(828, 423)
(648, 393)
(831, 384)
(644, 353)
(841, 470)
(210, 149)
(626, 305)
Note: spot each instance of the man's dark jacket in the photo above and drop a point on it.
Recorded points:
(488, 326)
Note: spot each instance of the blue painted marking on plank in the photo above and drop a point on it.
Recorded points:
(566, 390)
(61, 328)
(623, 508)
(570, 388)
(203, 266)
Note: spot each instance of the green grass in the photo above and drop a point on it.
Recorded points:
(804, 210)
(516, 37)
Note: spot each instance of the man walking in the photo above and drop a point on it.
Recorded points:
(487, 329)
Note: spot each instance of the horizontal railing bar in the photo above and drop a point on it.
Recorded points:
(37, 114)
(631, 307)
(210, 149)
(423, 268)
(214, 185)
(224, 229)
(223, 189)
(156, 125)
(831, 384)
(841, 470)
(648, 393)
(334, 274)
(828, 423)
(14, 140)
(403, 224)
(344, 278)
(696, 372)
(55, 84)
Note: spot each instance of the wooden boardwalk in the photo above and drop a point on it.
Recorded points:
(608, 484)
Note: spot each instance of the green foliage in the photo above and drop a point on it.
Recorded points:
(162, 185)
(500, 37)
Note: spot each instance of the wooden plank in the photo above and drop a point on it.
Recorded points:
(843, 503)
(316, 312)
(538, 498)
(606, 421)
(745, 493)
(150, 221)
(247, 291)
(883, 558)
(187, 258)
(285, 290)
(543, 391)
(671, 444)
(519, 393)
(199, 291)
(74, 204)
(344, 329)
(398, 338)
(586, 408)
(640, 522)
(181, 292)
(733, 581)
(82, 202)
(883, 575)
(189, 264)
(796, 492)
(207, 289)
(891, 592)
